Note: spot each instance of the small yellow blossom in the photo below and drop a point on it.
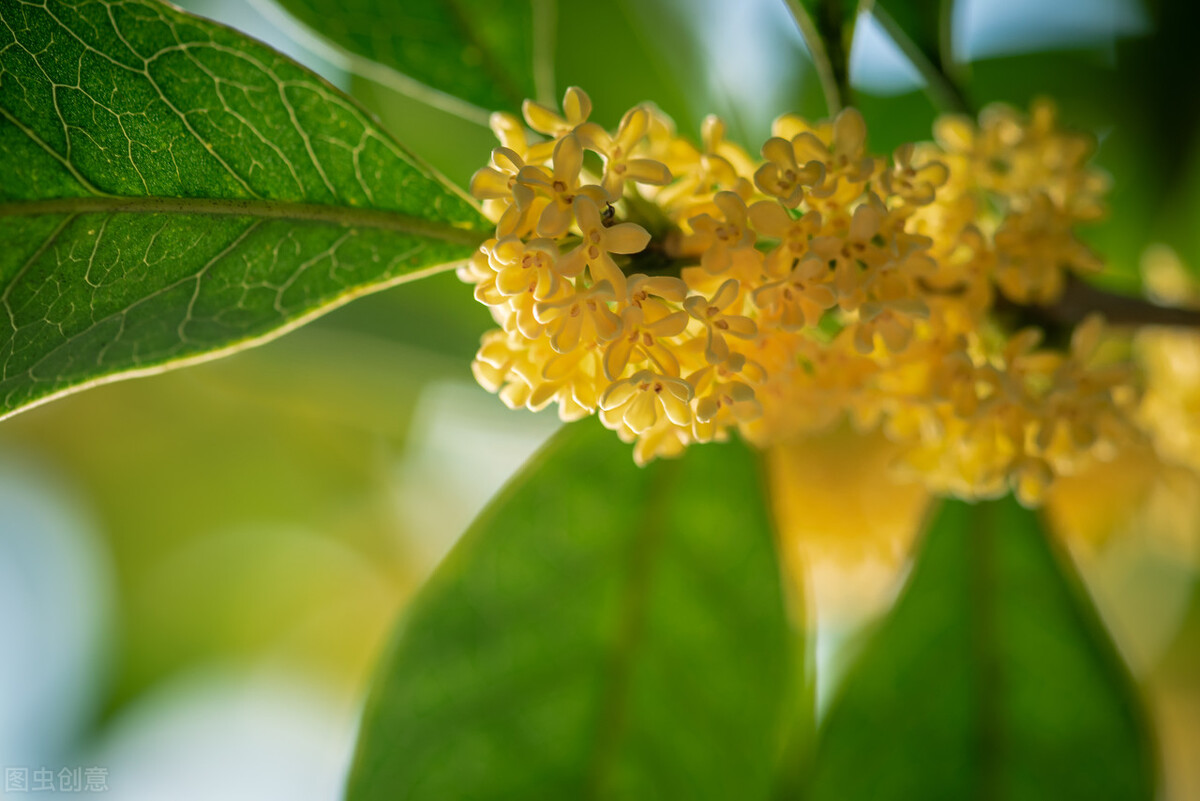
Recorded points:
(915, 176)
(583, 317)
(577, 107)
(721, 241)
(799, 299)
(638, 401)
(619, 152)
(599, 242)
(715, 315)
(525, 266)
(783, 176)
(560, 185)
(643, 331)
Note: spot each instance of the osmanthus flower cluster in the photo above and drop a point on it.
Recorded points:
(684, 290)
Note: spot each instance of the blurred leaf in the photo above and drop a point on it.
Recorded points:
(480, 51)
(249, 504)
(175, 190)
(696, 71)
(602, 631)
(621, 62)
(992, 678)
(895, 119)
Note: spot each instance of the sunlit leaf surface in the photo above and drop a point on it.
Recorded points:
(991, 679)
(603, 631)
(173, 190)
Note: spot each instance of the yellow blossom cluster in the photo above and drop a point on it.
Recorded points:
(683, 290)
(1170, 361)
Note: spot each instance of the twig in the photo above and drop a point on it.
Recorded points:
(945, 93)
(830, 86)
(1079, 299)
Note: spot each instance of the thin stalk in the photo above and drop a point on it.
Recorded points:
(830, 86)
(942, 90)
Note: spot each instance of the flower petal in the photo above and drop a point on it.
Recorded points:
(849, 132)
(568, 159)
(626, 238)
(576, 105)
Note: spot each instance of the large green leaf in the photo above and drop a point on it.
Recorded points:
(173, 190)
(602, 631)
(490, 53)
(992, 678)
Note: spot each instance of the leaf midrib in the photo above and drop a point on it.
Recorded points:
(346, 216)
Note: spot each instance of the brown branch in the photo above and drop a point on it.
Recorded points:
(1079, 299)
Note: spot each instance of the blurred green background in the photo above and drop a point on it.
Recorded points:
(197, 570)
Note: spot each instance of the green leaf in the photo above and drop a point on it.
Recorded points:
(174, 190)
(992, 678)
(602, 631)
(490, 53)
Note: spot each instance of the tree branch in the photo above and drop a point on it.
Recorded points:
(1079, 299)
(942, 90)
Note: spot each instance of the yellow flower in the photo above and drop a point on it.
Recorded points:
(506, 201)
(854, 256)
(725, 395)
(1032, 249)
(599, 242)
(572, 379)
(560, 187)
(847, 165)
(917, 185)
(525, 266)
(804, 289)
(620, 165)
(639, 401)
(643, 329)
(800, 298)
(714, 314)
(783, 176)
(581, 317)
(577, 107)
(720, 241)
(772, 221)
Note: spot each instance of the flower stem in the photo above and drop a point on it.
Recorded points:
(945, 92)
(834, 83)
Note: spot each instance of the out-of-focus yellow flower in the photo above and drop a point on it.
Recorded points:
(1170, 360)
(844, 519)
